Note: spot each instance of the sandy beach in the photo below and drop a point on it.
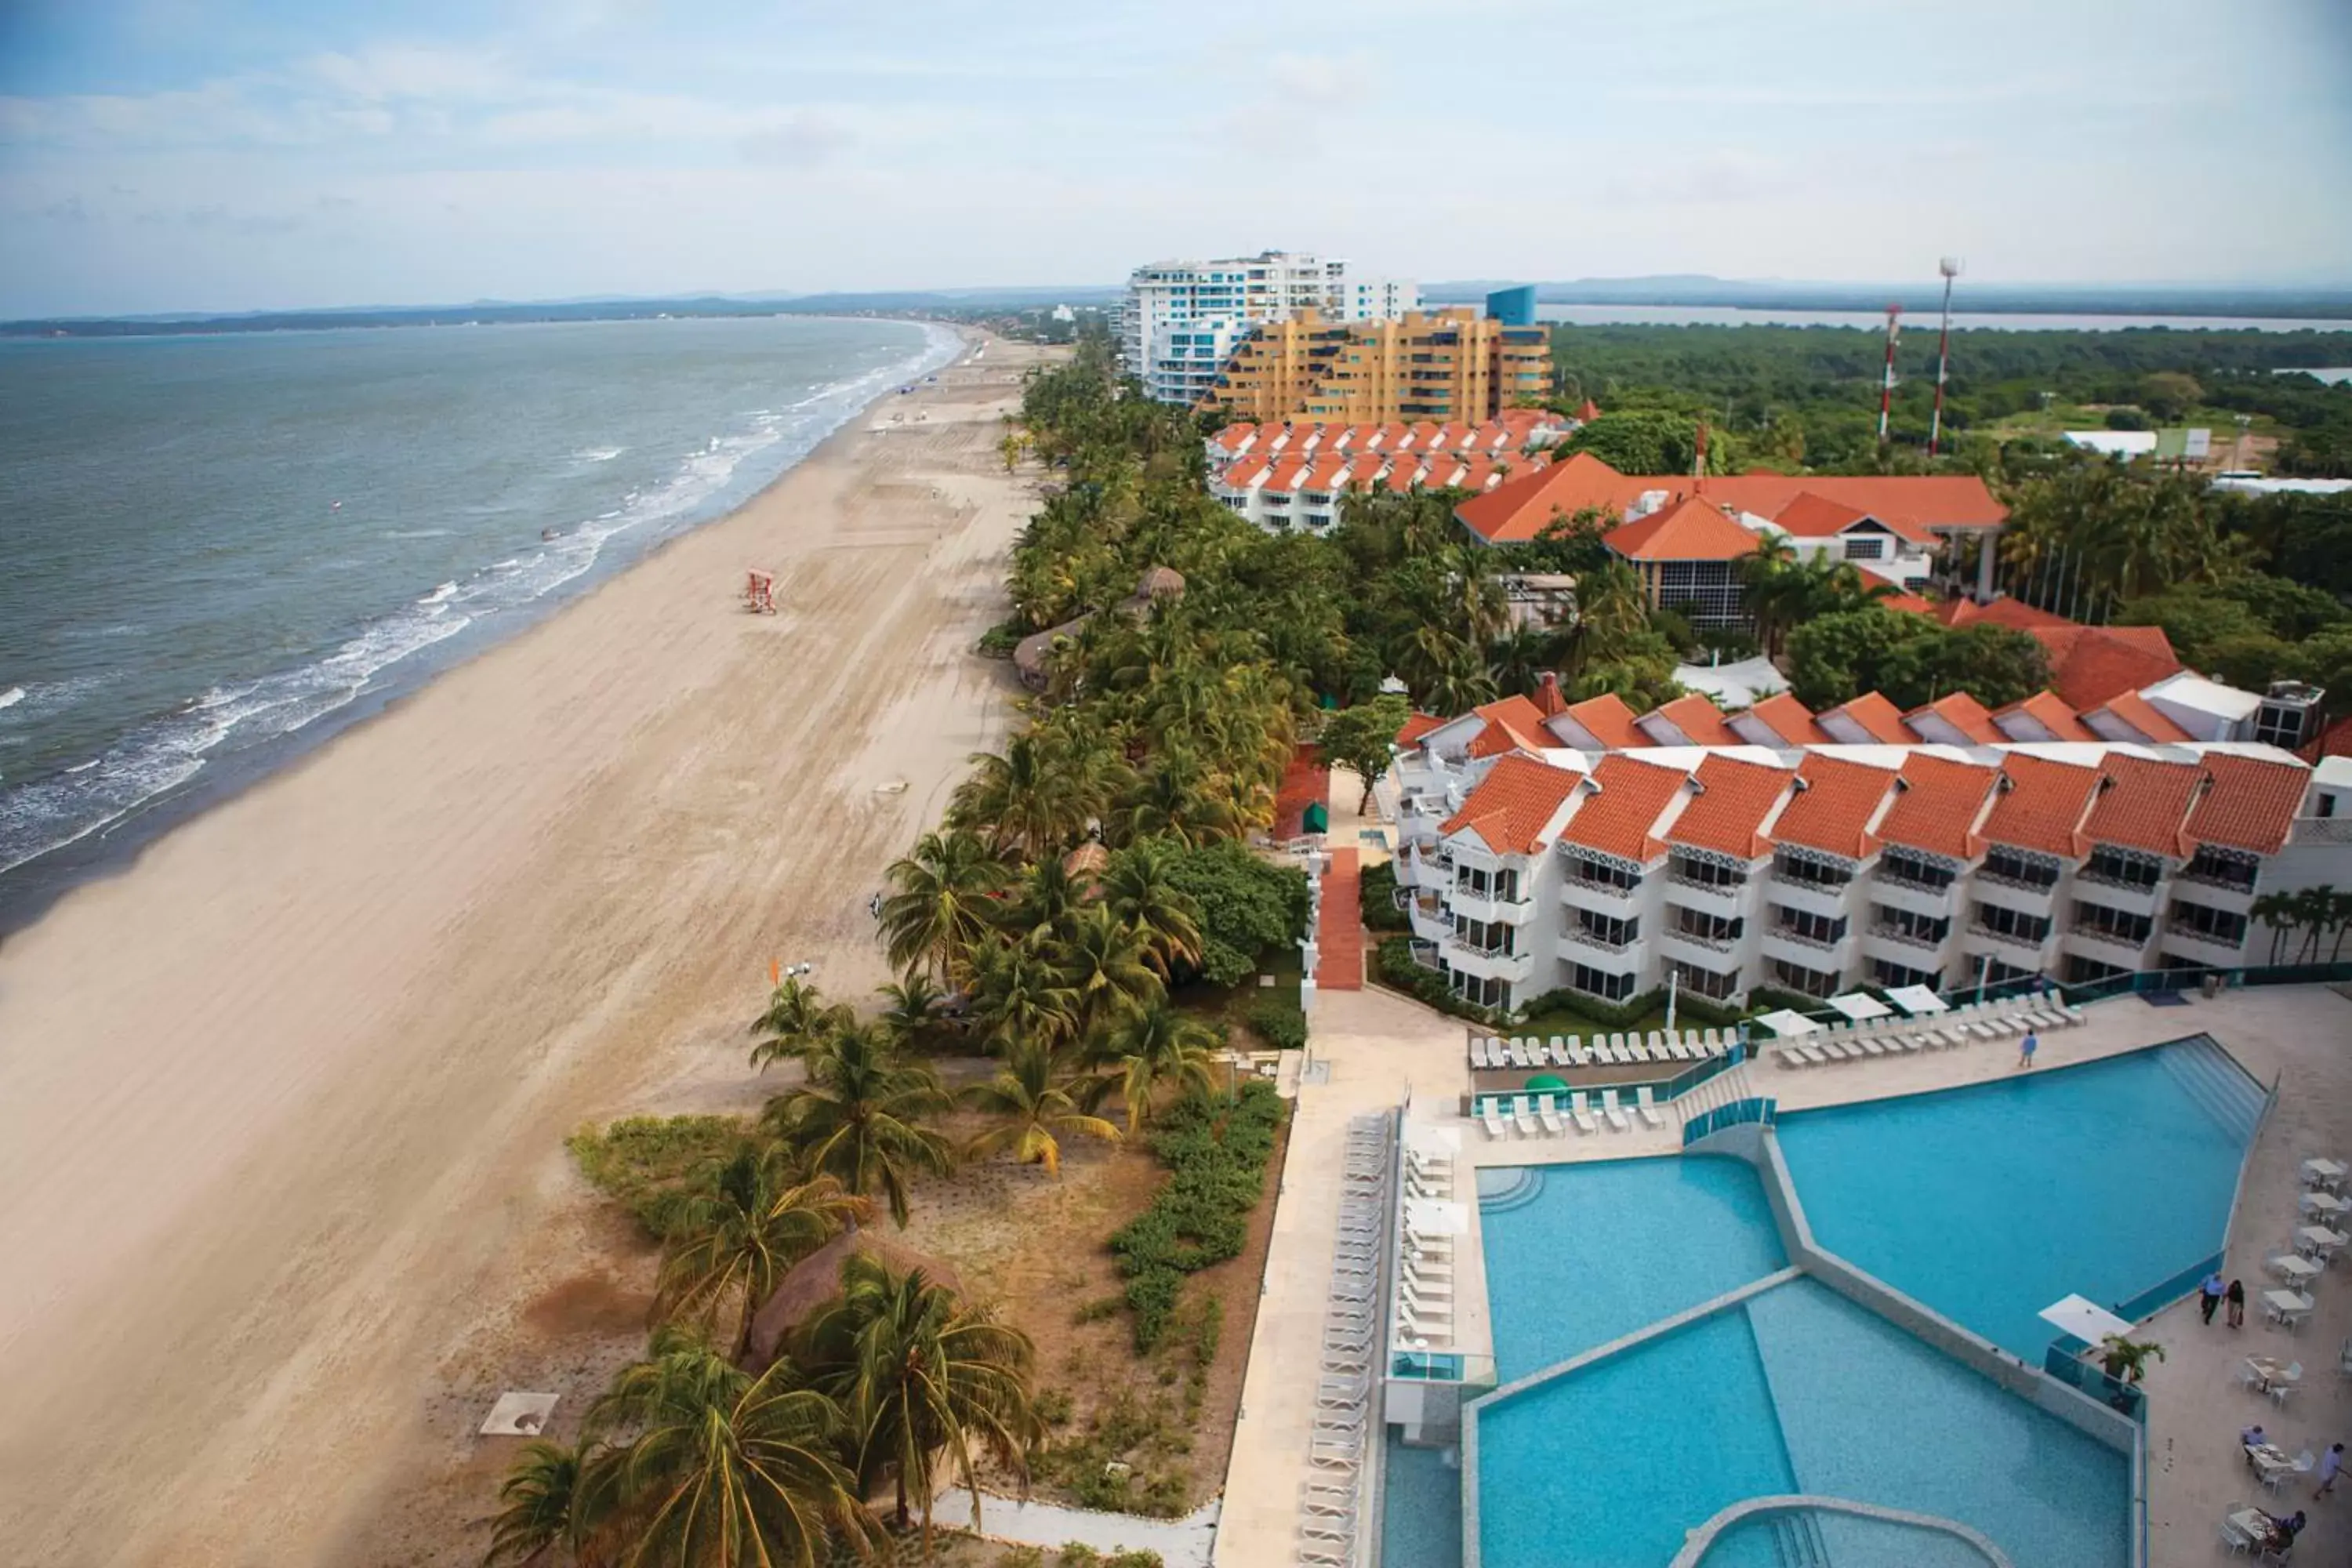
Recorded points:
(282, 1105)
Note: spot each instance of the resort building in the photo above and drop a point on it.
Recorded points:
(1444, 366)
(1283, 476)
(1181, 319)
(1543, 847)
(1687, 536)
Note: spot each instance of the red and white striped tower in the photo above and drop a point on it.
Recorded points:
(1950, 268)
(1886, 386)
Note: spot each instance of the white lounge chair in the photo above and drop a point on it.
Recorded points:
(1550, 1116)
(1615, 1113)
(1578, 1055)
(1496, 1128)
(1581, 1115)
(1523, 1115)
(1713, 1042)
(1647, 1107)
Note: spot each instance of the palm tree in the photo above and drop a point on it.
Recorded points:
(1039, 1109)
(795, 1017)
(942, 897)
(1157, 1047)
(721, 1470)
(2274, 910)
(921, 1374)
(912, 1010)
(1136, 887)
(2127, 1359)
(549, 1504)
(1176, 796)
(858, 1118)
(1020, 801)
(1043, 902)
(736, 1238)
(1019, 997)
(1106, 964)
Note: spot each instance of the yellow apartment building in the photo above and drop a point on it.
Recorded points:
(1452, 366)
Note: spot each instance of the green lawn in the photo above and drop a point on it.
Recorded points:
(1228, 1005)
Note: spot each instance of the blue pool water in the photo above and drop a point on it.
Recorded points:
(1420, 1508)
(1610, 1247)
(1795, 1390)
(1990, 1203)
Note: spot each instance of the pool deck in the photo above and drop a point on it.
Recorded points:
(1381, 1046)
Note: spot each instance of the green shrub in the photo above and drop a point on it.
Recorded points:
(1392, 964)
(1278, 1022)
(1096, 1310)
(1136, 1559)
(1022, 1557)
(1078, 1555)
(1216, 1151)
(643, 1161)
(998, 640)
(1377, 893)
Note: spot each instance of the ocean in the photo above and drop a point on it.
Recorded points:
(218, 551)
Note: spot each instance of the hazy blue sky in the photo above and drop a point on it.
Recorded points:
(167, 154)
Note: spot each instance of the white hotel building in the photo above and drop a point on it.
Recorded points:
(1182, 319)
(1526, 865)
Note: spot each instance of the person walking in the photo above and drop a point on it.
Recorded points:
(2208, 1294)
(2025, 1052)
(2236, 1297)
(2331, 1467)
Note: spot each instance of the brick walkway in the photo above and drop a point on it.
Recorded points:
(1339, 933)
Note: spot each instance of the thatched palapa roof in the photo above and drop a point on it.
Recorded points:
(1088, 859)
(814, 1283)
(1029, 655)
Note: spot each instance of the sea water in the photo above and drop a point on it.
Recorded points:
(214, 549)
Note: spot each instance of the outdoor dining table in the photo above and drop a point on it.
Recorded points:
(2252, 1523)
(2323, 1202)
(2266, 1371)
(2324, 1173)
(2297, 1269)
(2287, 1303)
(2316, 1241)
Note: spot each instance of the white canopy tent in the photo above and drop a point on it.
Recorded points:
(1917, 1000)
(1860, 1006)
(1783, 1023)
(2086, 1319)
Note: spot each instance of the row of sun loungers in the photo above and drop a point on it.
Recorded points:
(1960, 1027)
(1551, 1115)
(1329, 1504)
(1660, 1046)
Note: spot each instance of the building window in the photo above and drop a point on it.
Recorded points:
(2123, 868)
(1810, 872)
(1916, 869)
(2115, 925)
(1714, 930)
(1706, 873)
(1483, 991)
(1803, 925)
(1887, 972)
(2017, 926)
(1865, 547)
(1600, 982)
(1720, 987)
(1811, 982)
(1607, 931)
(1991, 970)
(1602, 874)
(2002, 863)
(2222, 869)
(1909, 925)
(1491, 937)
(2223, 926)
(2081, 971)
(1711, 593)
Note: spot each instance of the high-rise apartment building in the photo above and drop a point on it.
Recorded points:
(1450, 366)
(1182, 319)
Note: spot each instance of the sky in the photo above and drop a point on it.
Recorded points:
(160, 155)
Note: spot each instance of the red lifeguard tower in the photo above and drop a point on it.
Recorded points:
(760, 593)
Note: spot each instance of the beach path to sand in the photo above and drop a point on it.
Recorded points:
(282, 1105)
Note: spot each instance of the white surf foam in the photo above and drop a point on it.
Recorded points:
(10, 697)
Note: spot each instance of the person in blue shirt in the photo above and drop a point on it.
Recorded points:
(2208, 1294)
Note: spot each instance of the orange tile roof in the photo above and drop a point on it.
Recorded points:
(2090, 663)
(1231, 436)
(1810, 515)
(1527, 505)
(1833, 805)
(2335, 741)
(2046, 709)
(1617, 820)
(2143, 804)
(2249, 803)
(2043, 807)
(1247, 472)
(1417, 726)
(1513, 723)
(2013, 614)
(1734, 799)
(1879, 718)
(1285, 473)
(1610, 718)
(2143, 716)
(1700, 719)
(1899, 501)
(1964, 713)
(1790, 720)
(1509, 806)
(1691, 529)
(1936, 807)
(1909, 604)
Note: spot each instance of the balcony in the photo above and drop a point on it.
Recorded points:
(1509, 967)
(2107, 947)
(2321, 830)
(2023, 896)
(1917, 942)
(1810, 897)
(1601, 898)
(1428, 920)
(1805, 951)
(2010, 947)
(1596, 952)
(2138, 897)
(2206, 947)
(1934, 902)
(1703, 952)
(1712, 897)
(1479, 906)
(2217, 892)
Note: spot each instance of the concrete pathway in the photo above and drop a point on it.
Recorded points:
(1181, 1543)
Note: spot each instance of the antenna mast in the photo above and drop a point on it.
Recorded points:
(1950, 268)
(1886, 386)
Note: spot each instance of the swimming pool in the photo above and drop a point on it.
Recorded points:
(1794, 1390)
(1991, 1202)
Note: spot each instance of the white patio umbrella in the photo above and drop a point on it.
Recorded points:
(1860, 1006)
(1784, 1023)
(2086, 1319)
(1435, 1217)
(1917, 1000)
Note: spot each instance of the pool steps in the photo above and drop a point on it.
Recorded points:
(1797, 1541)
(2212, 1078)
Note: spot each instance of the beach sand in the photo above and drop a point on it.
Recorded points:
(282, 1105)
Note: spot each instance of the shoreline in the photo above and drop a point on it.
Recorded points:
(111, 846)
(282, 1102)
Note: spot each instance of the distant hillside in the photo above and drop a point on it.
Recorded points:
(2067, 299)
